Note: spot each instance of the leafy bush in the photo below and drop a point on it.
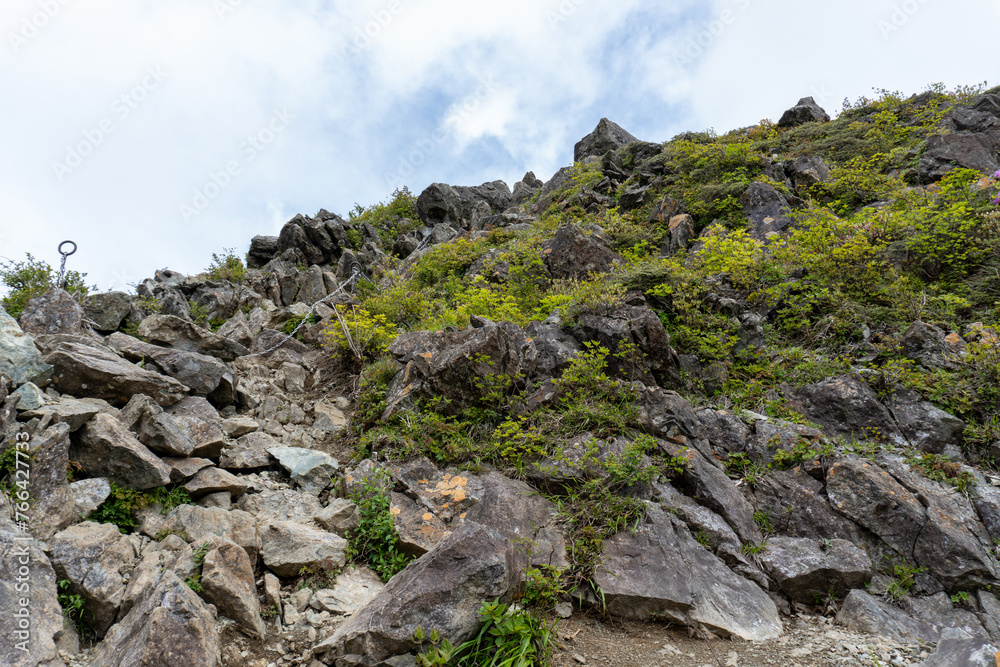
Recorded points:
(33, 277)
(227, 266)
(123, 503)
(358, 333)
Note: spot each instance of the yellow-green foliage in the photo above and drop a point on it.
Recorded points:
(388, 217)
(357, 332)
(447, 260)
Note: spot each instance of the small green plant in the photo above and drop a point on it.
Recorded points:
(227, 266)
(375, 540)
(904, 576)
(295, 320)
(542, 587)
(73, 608)
(753, 549)
(269, 612)
(702, 539)
(961, 597)
(509, 637)
(942, 469)
(318, 576)
(763, 521)
(194, 580)
(123, 503)
(34, 277)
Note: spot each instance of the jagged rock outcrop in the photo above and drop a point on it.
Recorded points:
(607, 136)
(805, 111)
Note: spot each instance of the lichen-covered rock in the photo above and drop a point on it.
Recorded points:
(55, 312)
(19, 358)
(573, 253)
(808, 570)
(107, 449)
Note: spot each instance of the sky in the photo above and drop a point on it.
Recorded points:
(155, 134)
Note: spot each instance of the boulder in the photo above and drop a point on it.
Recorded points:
(214, 480)
(199, 421)
(282, 505)
(19, 358)
(442, 590)
(237, 328)
(808, 570)
(460, 367)
(107, 310)
(55, 312)
(171, 553)
(554, 347)
(32, 397)
(24, 562)
(726, 432)
(638, 576)
(766, 208)
(70, 411)
(669, 416)
(107, 449)
(847, 406)
(83, 370)
(932, 348)
(946, 152)
(926, 426)
(89, 494)
(680, 233)
(249, 451)
(340, 517)
(806, 171)
(575, 254)
(312, 470)
(650, 359)
(439, 203)
(288, 546)
(236, 427)
(805, 111)
(418, 529)
(158, 430)
(94, 558)
(174, 332)
(227, 581)
(355, 588)
(607, 136)
(168, 625)
(202, 374)
(862, 612)
(964, 652)
(184, 469)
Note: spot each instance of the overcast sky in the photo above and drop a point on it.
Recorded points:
(156, 133)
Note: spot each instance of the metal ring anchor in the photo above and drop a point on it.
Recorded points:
(61, 283)
(65, 253)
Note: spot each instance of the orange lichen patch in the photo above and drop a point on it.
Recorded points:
(393, 510)
(462, 515)
(453, 487)
(427, 516)
(953, 339)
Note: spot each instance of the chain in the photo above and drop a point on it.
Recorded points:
(60, 283)
(357, 272)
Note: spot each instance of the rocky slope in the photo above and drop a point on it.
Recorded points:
(733, 384)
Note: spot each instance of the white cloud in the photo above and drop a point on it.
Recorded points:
(371, 82)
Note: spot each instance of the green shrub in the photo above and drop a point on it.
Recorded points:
(33, 277)
(357, 333)
(375, 541)
(121, 506)
(227, 266)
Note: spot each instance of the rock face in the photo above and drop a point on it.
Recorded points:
(766, 208)
(107, 310)
(289, 546)
(158, 430)
(19, 359)
(949, 151)
(452, 365)
(228, 583)
(441, 590)
(848, 406)
(55, 312)
(639, 579)
(926, 426)
(607, 136)
(440, 203)
(55, 507)
(167, 627)
(83, 370)
(107, 449)
(651, 359)
(805, 111)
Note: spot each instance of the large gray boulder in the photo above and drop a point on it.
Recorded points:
(441, 590)
(107, 449)
(806, 171)
(227, 581)
(195, 523)
(55, 312)
(650, 359)
(54, 505)
(862, 612)
(766, 208)
(202, 374)
(94, 558)
(262, 250)
(19, 358)
(312, 470)
(171, 331)
(808, 571)
(639, 578)
(964, 653)
(946, 152)
(158, 430)
(168, 626)
(438, 203)
(926, 426)
(607, 136)
(288, 546)
(574, 253)
(96, 372)
(805, 111)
